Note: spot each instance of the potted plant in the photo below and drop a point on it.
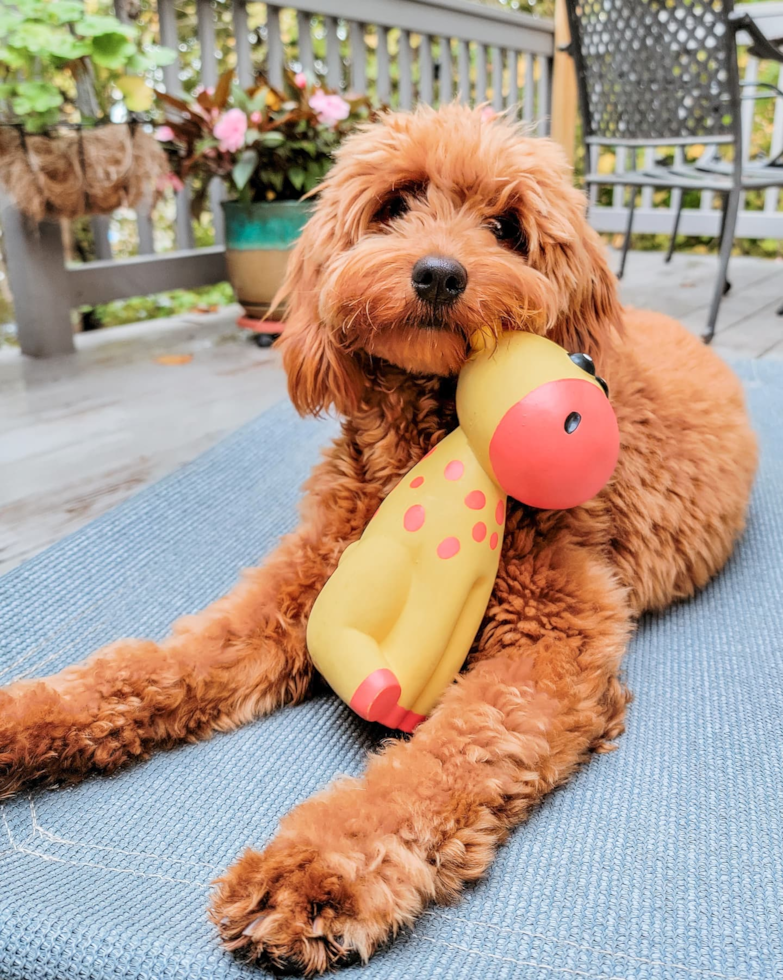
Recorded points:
(271, 148)
(65, 76)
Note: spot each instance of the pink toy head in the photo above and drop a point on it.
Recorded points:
(558, 446)
(539, 420)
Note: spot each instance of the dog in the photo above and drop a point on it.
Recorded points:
(430, 226)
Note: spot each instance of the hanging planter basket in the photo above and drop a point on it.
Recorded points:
(75, 171)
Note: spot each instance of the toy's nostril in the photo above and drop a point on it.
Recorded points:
(572, 422)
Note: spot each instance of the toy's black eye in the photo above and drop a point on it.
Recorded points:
(572, 422)
(603, 384)
(583, 361)
(508, 231)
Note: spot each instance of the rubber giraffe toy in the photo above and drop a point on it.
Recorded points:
(394, 623)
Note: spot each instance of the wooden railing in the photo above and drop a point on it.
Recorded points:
(761, 212)
(399, 51)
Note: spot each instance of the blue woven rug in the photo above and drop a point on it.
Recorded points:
(662, 861)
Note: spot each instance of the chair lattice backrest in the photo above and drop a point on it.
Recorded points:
(655, 70)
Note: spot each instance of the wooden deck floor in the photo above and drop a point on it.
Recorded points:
(81, 433)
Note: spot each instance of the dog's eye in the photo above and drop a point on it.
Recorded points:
(398, 201)
(393, 207)
(508, 231)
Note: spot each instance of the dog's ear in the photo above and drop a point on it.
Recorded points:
(593, 315)
(320, 373)
(573, 257)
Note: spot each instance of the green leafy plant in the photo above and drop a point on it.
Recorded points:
(59, 63)
(265, 143)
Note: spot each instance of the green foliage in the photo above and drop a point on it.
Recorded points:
(164, 304)
(54, 55)
(267, 144)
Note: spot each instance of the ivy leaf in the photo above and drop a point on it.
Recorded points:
(240, 99)
(297, 176)
(244, 167)
(31, 37)
(272, 139)
(11, 59)
(96, 25)
(160, 56)
(36, 97)
(67, 46)
(138, 95)
(9, 19)
(64, 11)
(112, 50)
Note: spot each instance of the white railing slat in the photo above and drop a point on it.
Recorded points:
(463, 68)
(305, 42)
(167, 19)
(446, 76)
(383, 84)
(426, 72)
(334, 61)
(528, 113)
(773, 194)
(405, 70)
(543, 95)
(358, 57)
(497, 78)
(244, 54)
(275, 53)
(481, 73)
(513, 81)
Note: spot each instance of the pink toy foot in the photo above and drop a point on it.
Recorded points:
(375, 699)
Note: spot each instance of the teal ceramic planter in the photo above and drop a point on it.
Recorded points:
(259, 237)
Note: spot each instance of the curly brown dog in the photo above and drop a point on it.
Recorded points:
(378, 335)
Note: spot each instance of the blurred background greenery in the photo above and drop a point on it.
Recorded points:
(122, 229)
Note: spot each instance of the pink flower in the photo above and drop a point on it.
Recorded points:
(488, 113)
(300, 79)
(169, 180)
(255, 118)
(164, 134)
(330, 108)
(230, 129)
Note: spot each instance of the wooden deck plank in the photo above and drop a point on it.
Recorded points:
(81, 433)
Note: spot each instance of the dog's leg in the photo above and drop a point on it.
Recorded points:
(352, 866)
(243, 656)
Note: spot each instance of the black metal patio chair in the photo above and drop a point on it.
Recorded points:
(657, 73)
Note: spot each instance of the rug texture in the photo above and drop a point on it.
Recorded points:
(662, 861)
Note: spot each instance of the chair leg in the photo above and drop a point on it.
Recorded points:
(628, 227)
(670, 250)
(727, 241)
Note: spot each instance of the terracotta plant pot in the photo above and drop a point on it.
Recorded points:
(259, 238)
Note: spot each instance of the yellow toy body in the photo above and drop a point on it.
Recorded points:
(395, 622)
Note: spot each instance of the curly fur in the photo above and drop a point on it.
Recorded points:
(358, 862)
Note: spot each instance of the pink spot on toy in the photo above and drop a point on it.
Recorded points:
(448, 548)
(454, 470)
(414, 518)
(493, 540)
(475, 500)
(417, 481)
(500, 511)
(479, 531)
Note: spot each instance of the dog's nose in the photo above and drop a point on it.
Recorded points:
(439, 280)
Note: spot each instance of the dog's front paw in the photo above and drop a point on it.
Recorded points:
(307, 907)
